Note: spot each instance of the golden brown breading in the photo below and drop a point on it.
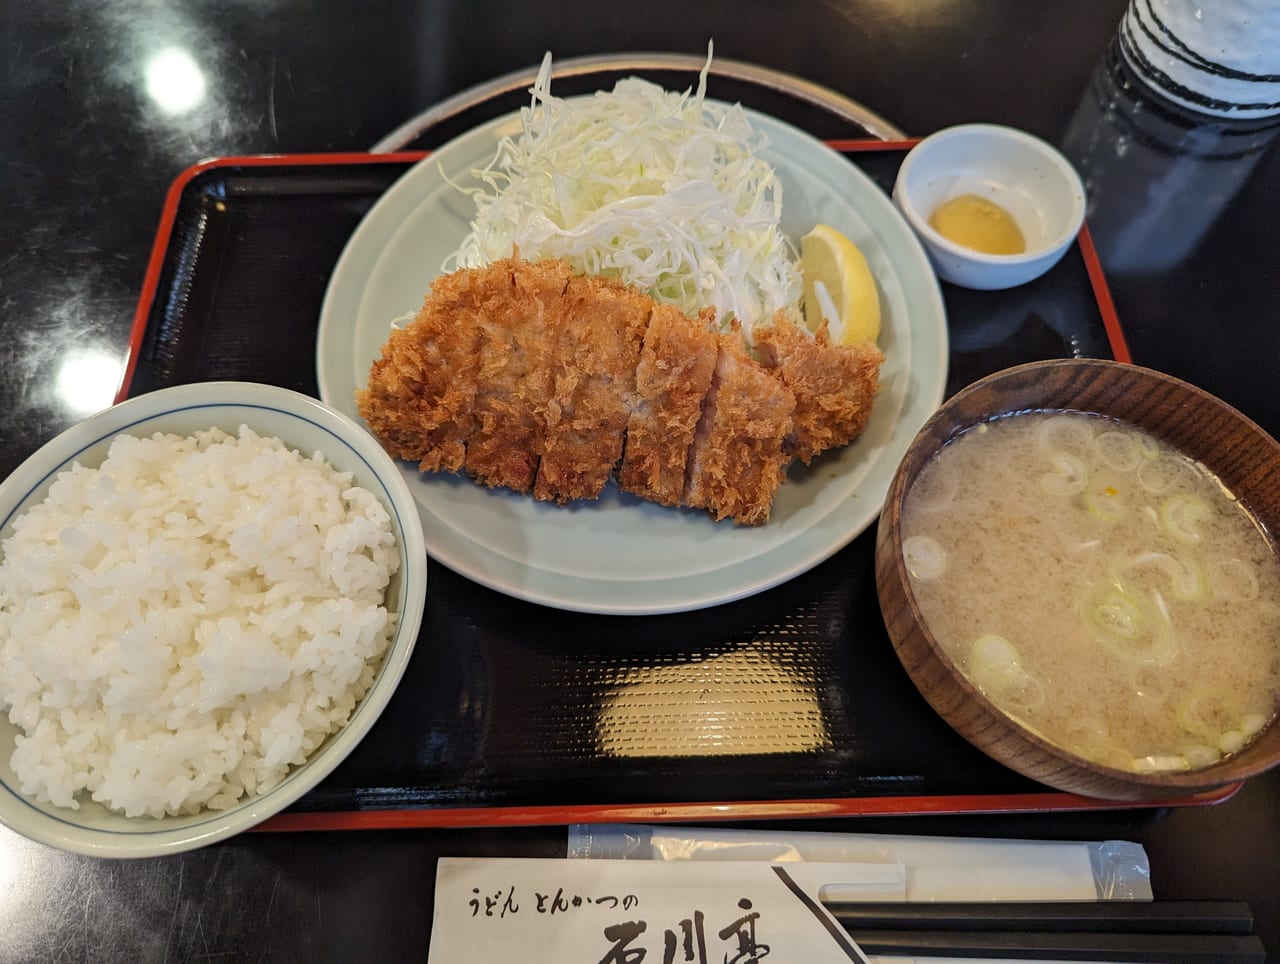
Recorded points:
(594, 386)
(519, 322)
(672, 380)
(531, 378)
(736, 462)
(834, 385)
(420, 399)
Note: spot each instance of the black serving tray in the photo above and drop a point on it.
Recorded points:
(502, 714)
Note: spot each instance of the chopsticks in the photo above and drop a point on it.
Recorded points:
(1120, 916)
(1138, 931)
(1076, 946)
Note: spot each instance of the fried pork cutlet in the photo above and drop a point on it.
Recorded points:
(736, 462)
(520, 319)
(420, 401)
(531, 378)
(834, 385)
(672, 381)
(601, 329)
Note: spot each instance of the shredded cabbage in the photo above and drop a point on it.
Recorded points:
(661, 190)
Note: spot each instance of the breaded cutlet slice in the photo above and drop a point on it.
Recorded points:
(834, 385)
(672, 380)
(736, 463)
(519, 321)
(420, 397)
(593, 387)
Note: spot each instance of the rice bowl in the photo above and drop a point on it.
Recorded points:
(305, 706)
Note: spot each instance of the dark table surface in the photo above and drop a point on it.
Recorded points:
(1184, 216)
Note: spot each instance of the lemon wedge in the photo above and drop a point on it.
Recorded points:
(829, 259)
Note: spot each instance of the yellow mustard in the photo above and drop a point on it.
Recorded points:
(979, 224)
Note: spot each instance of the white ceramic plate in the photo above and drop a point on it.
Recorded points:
(622, 554)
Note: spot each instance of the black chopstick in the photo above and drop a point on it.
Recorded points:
(1072, 946)
(1114, 916)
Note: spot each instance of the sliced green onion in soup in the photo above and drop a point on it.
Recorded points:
(1065, 433)
(1213, 715)
(1119, 450)
(1126, 622)
(1251, 724)
(1231, 741)
(1161, 474)
(990, 649)
(936, 486)
(1207, 713)
(1150, 518)
(925, 557)
(1161, 763)
(994, 667)
(1183, 516)
(1186, 576)
(1069, 475)
(1105, 503)
(1233, 579)
(1148, 447)
(1199, 755)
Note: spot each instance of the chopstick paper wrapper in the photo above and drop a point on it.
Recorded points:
(938, 868)
(631, 911)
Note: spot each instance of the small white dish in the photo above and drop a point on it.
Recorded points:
(302, 423)
(1031, 180)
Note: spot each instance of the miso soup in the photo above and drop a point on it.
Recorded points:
(1103, 589)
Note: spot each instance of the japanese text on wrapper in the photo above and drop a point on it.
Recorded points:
(687, 941)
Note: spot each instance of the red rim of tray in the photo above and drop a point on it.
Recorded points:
(530, 815)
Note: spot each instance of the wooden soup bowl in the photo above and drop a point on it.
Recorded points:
(1235, 449)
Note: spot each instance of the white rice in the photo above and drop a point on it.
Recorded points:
(184, 624)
